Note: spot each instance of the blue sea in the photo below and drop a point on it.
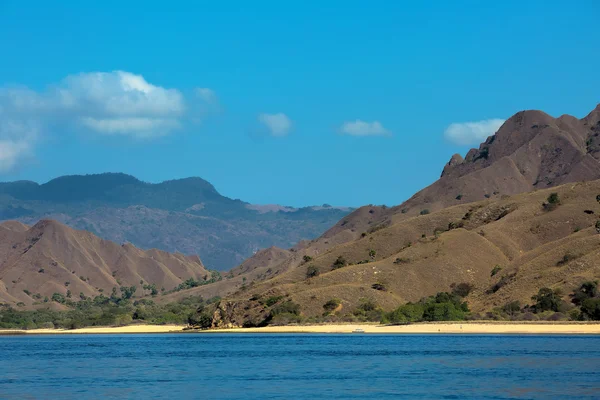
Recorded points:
(299, 366)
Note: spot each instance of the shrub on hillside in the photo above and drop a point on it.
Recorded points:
(567, 257)
(586, 290)
(272, 300)
(424, 212)
(455, 225)
(368, 310)
(312, 271)
(331, 305)
(287, 307)
(495, 270)
(462, 289)
(441, 307)
(590, 309)
(552, 202)
(553, 198)
(513, 308)
(547, 300)
(340, 262)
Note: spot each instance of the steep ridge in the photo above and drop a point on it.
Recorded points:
(530, 151)
(52, 258)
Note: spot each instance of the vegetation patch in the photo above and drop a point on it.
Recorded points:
(441, 307)
(312, 271)
(340, 262)
(495, 270)
(552, 202)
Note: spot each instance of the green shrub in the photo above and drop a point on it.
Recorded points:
(455, 225)
(495, 270)
(546, 300)
(312, 271)
(331, 305)
(287, 307)
(272, 300)
(567, 257)
(441, 307)
(307, 258)
(586, 290)
(553, 198)
(424, 212)
(443, 312)
(368, 310)
(590, 309)
(201, 320)
(59, 298)
(340, 262)
(513, 308)
(462, 289)
(552, 202)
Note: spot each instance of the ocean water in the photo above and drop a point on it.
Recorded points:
(290, 366)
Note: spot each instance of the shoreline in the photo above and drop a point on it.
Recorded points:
(465, 327)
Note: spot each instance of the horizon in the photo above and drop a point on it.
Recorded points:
(365, 107)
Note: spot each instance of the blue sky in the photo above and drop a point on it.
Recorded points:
(281, 102)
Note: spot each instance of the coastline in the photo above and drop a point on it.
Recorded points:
(487, 327)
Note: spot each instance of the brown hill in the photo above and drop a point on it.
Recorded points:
(535, 246)
(16, 226)
(52, 258)
(530, 151)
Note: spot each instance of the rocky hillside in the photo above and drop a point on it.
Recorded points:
(530, 151)
(186, 215)
(506, 249)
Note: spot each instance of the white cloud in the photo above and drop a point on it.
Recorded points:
(471, 133)
(11, 152)
(16, 141)
(362, 128)
(279, 124)
(106, 103)
(206, 94)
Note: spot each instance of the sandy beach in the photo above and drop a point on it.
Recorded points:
(104, 329)
(442, 328)
(426, 328)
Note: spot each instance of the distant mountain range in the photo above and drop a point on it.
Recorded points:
(185, 215)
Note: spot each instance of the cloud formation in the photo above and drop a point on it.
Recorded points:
(207, 95)
(472, 133)
(104, 103)
(278, 124)
(362, 128)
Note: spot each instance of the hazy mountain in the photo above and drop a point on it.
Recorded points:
(185, 215)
